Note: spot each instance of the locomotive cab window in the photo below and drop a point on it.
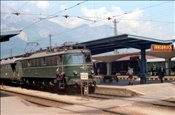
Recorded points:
(77, 58)
(13, 66)
(87, 58)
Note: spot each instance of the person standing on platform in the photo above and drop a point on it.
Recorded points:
(130, 75)
(161, 73)
(63, 80)
(58, 78)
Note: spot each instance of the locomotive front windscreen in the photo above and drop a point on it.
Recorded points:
(78, 58)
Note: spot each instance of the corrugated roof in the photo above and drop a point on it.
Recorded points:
(6, 35)
(122, 41)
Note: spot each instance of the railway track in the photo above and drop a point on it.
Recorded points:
(93, 96)
(40, 102)
(43, 102)
(103, 97)
(131, 109)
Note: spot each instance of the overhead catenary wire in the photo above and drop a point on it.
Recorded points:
(56, 13)
(22, 5)
(15, 10)
(17, 13)
(40, 14)
(148, 20)
(47, 16)
(145, 8)
(111, 17)
(108, 18)
(67, 8)
(88, 24)
(142, 28)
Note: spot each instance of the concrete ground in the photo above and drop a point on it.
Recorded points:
(127, 106)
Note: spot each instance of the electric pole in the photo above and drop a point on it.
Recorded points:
(115, 34)
(115, 27)
(50, 41)
(10, 52)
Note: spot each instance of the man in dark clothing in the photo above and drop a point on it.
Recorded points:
(63, 80)
(161, 73)
(58, 78)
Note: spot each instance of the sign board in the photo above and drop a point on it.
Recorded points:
(84, 76)
(162, 48)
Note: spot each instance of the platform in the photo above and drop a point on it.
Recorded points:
(117, 91)
(124, 77)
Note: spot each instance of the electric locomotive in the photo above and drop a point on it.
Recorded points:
(37, 69)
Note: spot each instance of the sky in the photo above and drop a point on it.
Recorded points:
(153, 19)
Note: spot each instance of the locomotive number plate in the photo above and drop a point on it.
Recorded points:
(84, 76)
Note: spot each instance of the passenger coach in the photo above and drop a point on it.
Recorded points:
(11, 70)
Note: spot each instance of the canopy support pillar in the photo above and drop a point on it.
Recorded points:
(143, 73)
(168, 66)
(108, 68)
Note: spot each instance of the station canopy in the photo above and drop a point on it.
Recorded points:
(114, 57)
(122, 41)
(6, 35)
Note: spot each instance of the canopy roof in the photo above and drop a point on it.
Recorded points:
(6, 35)
(122, 41)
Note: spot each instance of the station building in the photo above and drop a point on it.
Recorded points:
(107, 66)
(132, 41)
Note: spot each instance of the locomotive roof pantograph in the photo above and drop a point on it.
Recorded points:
(44, 54)
(63, 49)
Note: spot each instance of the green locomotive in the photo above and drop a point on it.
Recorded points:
(38, 69)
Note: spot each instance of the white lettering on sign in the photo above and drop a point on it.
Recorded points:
(84, 76)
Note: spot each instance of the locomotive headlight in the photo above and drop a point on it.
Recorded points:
(92, 71)
(75, 72)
